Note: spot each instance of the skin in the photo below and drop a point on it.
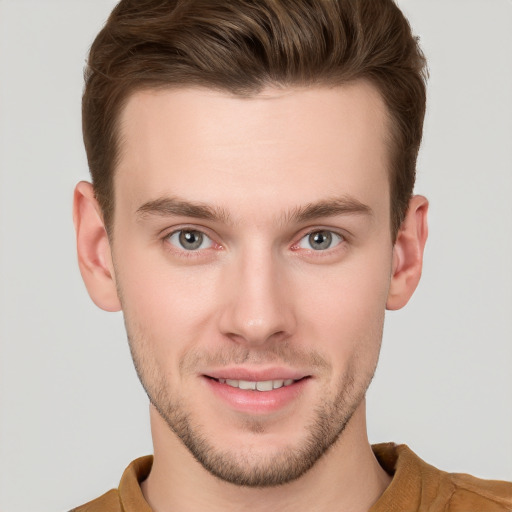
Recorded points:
(256, 297)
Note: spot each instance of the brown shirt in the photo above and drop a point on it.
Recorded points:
(416, 487)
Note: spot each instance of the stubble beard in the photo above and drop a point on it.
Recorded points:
(290, 463)
(327, 423)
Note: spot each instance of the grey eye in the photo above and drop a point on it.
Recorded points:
(190, 240)
(320, 240)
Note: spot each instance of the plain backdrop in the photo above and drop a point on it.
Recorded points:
(72, 413)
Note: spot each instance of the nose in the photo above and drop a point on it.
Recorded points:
(258, 307)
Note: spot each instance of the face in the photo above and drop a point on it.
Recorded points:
(252, 256)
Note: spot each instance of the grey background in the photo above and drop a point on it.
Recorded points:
(72, 413)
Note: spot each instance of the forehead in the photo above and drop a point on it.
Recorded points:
(292, 145)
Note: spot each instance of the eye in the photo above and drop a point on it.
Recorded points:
(320, 240)
(190, 240)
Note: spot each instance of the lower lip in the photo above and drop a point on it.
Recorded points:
(257, 402)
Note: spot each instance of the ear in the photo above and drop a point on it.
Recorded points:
(408, 254)
(93, 247)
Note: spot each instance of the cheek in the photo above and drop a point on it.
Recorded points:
(346, 313)
(165, 304)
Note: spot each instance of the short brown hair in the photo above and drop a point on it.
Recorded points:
(241, 46)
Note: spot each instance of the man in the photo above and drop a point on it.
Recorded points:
(251, 213)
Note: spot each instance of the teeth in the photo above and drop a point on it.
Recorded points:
(277, 384)
(265, 385)
(247, 384)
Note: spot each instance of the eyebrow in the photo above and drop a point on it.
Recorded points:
(173, 207)
(331, 207)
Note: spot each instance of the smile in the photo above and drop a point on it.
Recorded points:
(264, 385)
(262, 392)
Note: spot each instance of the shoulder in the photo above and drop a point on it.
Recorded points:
(470, 493)
(128, 495)
(109, 502)
(419, 486)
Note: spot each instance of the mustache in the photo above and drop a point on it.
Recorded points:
(279, 353)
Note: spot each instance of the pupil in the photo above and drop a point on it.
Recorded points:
(320, 240)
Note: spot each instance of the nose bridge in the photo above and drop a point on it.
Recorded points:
(258, 308)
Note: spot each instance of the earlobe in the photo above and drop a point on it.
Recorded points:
(93, 248)
(408, 254)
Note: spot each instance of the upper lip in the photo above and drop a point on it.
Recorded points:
(256, 374)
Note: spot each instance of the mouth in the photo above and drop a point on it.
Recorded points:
(262, 394)
(260, 385)
(257, 390)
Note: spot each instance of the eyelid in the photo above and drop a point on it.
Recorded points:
(205, 240)
(169, 230)
(341, 235)
(167, 233)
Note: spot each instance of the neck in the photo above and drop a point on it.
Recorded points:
(348, 477)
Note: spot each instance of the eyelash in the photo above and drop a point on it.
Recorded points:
(342, 239)
(182, 252)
